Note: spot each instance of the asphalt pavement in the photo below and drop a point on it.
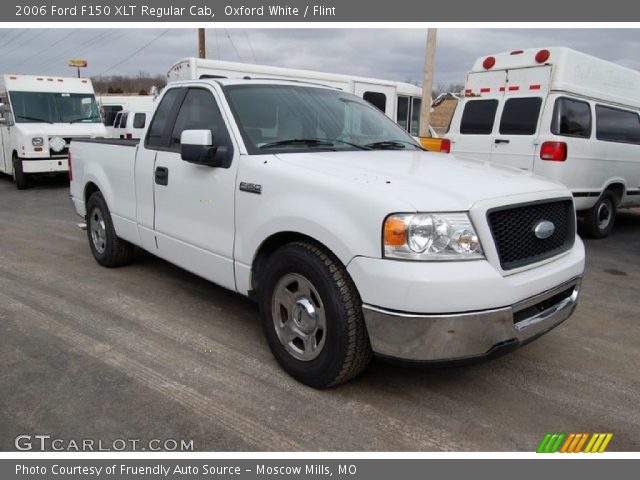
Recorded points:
(150, 351)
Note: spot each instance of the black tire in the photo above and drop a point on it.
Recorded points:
(108, 249)
(598, 221)
(20, 178)
(346, 350)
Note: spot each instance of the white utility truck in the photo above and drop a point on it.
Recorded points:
(562, 114)
(351, 237)
(399, 101)
(40, 116)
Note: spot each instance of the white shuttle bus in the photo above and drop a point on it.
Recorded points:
(562, 114)
(40, 115)
(398, 100)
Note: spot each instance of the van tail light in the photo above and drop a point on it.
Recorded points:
(542, 56)
(553, 151)
(70, 169)
(129, 136)
(488, 63)
(445, 146)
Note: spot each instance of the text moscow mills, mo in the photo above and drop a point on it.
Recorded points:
(275, 10)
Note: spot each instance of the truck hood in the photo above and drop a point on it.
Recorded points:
(61, 129)
(427, 181)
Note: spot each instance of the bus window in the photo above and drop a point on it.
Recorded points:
(402, 118)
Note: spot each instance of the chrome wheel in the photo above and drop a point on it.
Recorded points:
(604, 214)
(98, 231)
(299, 317)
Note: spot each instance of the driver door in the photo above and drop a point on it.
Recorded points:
(195, 204)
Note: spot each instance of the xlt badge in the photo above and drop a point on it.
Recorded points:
(251, 187)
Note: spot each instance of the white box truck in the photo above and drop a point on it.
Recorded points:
(400, 101)
(562, 114)
(40, 115)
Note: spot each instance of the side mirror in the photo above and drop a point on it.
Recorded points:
(196, 146)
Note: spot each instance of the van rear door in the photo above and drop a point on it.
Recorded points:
(515, 140)
(483, 92)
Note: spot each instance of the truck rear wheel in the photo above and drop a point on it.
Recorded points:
(312, 316)
(108, 249)
(598, 221)
(19, 177)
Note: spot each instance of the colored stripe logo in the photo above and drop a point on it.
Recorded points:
(559, 442)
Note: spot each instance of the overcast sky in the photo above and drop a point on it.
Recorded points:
(395, 54)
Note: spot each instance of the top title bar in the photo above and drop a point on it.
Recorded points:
(312, 11)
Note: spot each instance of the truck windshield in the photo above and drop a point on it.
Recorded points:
(291, 118)
(49, 107)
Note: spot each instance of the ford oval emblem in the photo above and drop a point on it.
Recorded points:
(544, 229)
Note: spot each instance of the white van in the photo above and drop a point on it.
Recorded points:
(399, 101)
(40, 115)
(129, 124)
(563, 114)
(110, 105)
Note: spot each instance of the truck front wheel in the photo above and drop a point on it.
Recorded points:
(598, 221)
(108, 249)
(312, 316)
(19, 177)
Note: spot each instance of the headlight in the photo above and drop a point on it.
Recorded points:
(431, 236)
(37, 141)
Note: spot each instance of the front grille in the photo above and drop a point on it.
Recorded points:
(513, 231)
(65, 151)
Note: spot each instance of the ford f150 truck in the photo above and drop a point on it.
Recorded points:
(352, 239)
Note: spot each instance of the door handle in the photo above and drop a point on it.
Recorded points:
(501, 140)
(162, 175)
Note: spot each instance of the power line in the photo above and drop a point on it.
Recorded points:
(134, 53)
(73, 50)
(253, 54)
(20, 33)
(41, 52)
(233, 44)
(18, 47)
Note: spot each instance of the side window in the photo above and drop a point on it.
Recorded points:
(110, 112)
(158, 135)
(403, 112)
(139, 120)
(377, 99)
(415, 116)
(520, 116)
(615, 125)
(199, 111)
(571, 118)
(116, 122)
(123, 120)
(478, 117)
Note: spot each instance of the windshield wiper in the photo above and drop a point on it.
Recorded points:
(35, 119)
(391, 144)
(312, 142)
(77, 120)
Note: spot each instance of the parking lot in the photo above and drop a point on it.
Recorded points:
(151, 351)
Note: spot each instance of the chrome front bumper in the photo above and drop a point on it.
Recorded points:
(426, 338)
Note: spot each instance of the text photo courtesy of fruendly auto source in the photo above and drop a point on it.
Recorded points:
(234, 239)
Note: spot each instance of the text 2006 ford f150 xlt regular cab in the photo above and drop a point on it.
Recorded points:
(352, 239)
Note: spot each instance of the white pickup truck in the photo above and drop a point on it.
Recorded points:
(351, 238)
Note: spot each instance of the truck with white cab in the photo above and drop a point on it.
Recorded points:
(40, 115)
(562, 114)
(352, 239)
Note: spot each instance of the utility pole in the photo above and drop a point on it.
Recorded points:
(202, 50)
(427, 84)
